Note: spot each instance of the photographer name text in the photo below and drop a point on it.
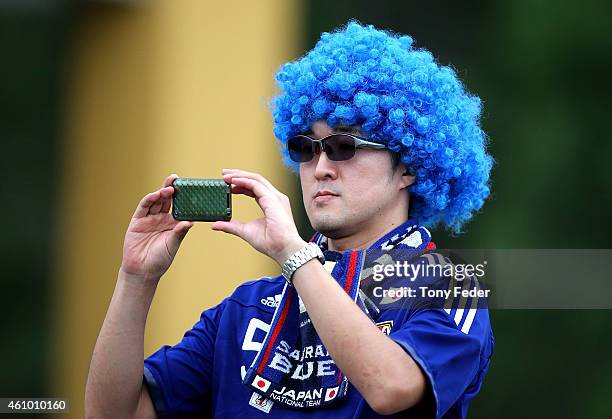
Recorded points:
(426, 292)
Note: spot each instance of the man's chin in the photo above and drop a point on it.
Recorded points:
(329, 225)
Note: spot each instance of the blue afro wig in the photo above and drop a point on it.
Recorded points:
(401, 98)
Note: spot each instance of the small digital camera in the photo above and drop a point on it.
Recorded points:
(201, 200)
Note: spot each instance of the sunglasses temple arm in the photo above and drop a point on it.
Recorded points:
(367, 144)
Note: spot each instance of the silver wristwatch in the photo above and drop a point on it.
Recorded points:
(306, 253)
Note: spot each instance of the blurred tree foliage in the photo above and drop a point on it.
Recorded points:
(33, 37)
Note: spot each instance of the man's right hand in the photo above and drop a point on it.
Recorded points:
(153, 236)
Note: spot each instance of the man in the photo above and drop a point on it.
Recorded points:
(385, 141)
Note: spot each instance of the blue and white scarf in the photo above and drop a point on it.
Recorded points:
(293, 367)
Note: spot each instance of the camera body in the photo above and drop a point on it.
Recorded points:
(201, 200)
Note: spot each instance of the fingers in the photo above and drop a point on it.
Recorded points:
(145, 204)
(166, 196)
(179, 232)
(156, 207)
(251, 187)
(255, 186)
(169, 180)
(168, 202)
(232, 227)
(152, 202)
(158, 201)
(229, 174)
(242, 191)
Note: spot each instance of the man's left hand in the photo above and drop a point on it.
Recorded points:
(275, 234)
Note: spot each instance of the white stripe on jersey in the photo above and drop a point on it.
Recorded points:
(468, 321)
(458, 316)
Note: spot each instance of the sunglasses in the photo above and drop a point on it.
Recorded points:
(337, 147)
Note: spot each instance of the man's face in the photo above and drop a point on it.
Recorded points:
(356, 192)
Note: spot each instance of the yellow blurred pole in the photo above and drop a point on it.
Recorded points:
(159, 88)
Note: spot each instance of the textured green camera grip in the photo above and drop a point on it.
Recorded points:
(201, 200)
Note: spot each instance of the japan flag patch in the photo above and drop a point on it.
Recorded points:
(331, 393)
(261, 383)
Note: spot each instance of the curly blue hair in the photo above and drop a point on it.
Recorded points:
(400, 96)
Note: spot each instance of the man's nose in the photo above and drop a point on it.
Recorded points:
(324, 167)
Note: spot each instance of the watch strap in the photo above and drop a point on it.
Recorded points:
(299, 258)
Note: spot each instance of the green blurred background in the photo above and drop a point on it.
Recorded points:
(542, 69)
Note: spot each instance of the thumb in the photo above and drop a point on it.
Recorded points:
(232, 227)
(177, 235)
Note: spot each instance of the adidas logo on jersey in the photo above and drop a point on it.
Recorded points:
(271, 301)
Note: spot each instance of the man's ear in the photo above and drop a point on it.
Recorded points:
(407, 177)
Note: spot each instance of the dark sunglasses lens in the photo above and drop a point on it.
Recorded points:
(300, 149)
(339, 147)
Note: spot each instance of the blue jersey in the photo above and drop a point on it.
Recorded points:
(202, 375)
